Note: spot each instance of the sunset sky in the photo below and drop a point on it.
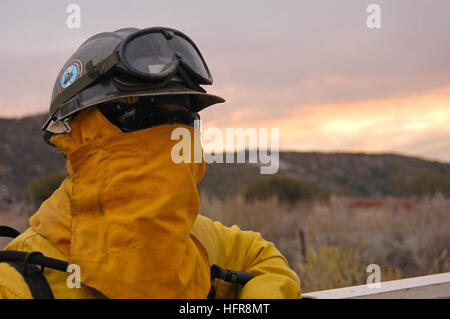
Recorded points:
(313, 68)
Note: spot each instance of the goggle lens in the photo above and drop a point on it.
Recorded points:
(153, 53)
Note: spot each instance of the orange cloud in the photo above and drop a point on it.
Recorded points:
(417, 125)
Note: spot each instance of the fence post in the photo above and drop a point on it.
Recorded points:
(302, 243)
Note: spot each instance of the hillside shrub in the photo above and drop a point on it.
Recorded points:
(286, 189)
(421, 183)
(41, 188)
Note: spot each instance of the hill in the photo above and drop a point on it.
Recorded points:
(24, 156)
(364, 175)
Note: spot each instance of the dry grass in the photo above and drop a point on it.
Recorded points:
(405, 237)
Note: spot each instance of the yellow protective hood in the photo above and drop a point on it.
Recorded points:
(128, 225)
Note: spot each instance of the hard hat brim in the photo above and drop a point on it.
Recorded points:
(93, 96)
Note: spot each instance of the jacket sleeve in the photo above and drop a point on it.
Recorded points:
(240, 250)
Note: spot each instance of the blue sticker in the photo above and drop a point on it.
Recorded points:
(70, 74)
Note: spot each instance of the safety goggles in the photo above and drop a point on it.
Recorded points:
(154, 55)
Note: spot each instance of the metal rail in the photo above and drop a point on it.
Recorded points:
(425, 287)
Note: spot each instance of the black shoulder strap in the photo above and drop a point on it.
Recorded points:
(26, 264)
(6, 231)
(35, 279)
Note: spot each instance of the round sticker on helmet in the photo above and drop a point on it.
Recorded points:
(70, 74)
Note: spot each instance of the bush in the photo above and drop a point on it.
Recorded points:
(41, 188)
(421, 183)
(285, 188)
(335, 267)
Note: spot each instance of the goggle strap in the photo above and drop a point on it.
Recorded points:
(168, 34)
(187, 79)
(126, 88)
(93, 72)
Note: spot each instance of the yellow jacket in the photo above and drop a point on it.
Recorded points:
(133, 225)
(229, 247)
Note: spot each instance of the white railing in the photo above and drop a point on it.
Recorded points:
(425, 287)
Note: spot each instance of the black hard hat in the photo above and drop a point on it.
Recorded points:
(98, 48)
